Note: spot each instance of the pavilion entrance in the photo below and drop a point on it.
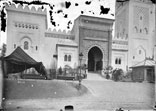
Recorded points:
(95, 57)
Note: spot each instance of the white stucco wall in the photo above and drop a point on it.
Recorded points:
(123, 56)
(128, 12)
(140, 39)
(18, 30)
(25, 24)
(120, 39)
(66, 50)
(47, 50)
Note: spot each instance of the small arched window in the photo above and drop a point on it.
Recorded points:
(26, 26)
(23, 25)
(69, 58)
(36, 48)
(16, 25)
(119, 61)
(139, 51)
(116, 61)
(26, 45)
(133, 57)
(136, 29)
(126, 36)
(123, 31)
(65, 58)
(14, 46)
(141, 20)
(29, 26)
(19, 25)
(145, 31)
(118, 35)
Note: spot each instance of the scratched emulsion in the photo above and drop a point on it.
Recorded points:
(64, 5)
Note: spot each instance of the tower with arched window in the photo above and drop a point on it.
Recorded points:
(134, 32)
(25, 28)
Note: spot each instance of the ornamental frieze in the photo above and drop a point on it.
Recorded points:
(52, 35)
(90, 44)
(26, 25)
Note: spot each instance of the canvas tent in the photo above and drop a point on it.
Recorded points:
(19, 61)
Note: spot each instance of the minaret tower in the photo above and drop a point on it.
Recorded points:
(134, 25)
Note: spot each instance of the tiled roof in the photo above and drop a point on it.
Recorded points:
(146, 62)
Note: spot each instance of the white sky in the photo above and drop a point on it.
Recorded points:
(74, 11)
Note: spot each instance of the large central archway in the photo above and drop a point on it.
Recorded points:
(95, 57)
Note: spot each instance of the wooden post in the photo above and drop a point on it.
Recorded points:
(1, 85)
(145, 75)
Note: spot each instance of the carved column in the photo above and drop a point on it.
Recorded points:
(145, 75)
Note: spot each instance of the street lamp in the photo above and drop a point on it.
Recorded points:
(80, 58)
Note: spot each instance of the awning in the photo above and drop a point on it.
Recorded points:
(19, 61)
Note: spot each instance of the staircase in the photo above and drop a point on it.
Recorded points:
(95, 76)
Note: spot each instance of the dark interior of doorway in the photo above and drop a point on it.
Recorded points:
(95, 59)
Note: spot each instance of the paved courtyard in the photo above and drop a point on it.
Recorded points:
(103, 94)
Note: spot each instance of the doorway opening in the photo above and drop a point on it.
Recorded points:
(95, 57)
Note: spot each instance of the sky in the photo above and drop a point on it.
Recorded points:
(65, 11)
(93, 9)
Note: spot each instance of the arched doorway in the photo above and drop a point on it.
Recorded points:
(95, 57)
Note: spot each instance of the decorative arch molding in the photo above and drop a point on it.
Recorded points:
(140, 48)
(91, 45)
(24, 39)
(136, 29)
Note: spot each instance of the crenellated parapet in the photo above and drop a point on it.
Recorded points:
(25, 9)
(145, 1)
(58, 31)
(59, 34)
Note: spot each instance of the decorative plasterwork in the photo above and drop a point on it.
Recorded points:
(97, 39)
(141, 20)
(95, 22)
(53, 35)
(91, 45)
(26, 25)
(121, 25)
(120, 42)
